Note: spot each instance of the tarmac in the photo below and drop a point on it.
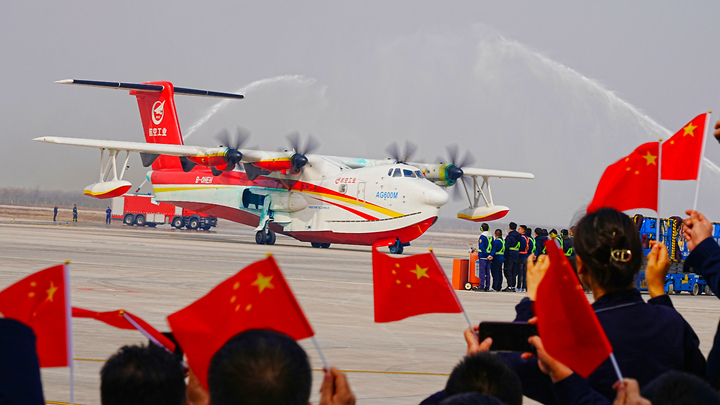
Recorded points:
(155, 272)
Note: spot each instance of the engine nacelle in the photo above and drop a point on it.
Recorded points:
(443, 174)
(486, 213)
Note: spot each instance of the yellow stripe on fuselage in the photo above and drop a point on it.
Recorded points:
(347, 200)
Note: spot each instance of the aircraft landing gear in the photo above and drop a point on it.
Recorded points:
(320, 245)
(397, 247)
(262, 238)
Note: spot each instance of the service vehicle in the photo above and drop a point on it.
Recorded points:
(144, 210)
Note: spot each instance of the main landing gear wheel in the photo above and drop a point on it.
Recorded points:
(324, 245)
(396, 248)
(468, 286)
(260, 237)
(270, 238)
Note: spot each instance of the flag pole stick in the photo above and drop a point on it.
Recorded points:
(657, 225)
(467, 318)
(702, 156)
(143, 331)
(616, 367)
(320, 352)
(68, 326)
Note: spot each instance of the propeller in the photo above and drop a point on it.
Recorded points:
(401, 156)
(299, 158)
(454, 171)
(233, 156)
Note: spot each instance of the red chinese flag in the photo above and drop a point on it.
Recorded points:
(42, 302)
(255, 298)
(409, 286)
(566, 322)
(125, 320)
(631, 182)
(682, 153)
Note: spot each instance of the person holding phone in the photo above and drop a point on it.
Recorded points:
(648, 339)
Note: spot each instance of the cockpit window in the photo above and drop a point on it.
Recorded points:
(397, 173)
(408, 173)
(420, 174)
(390, 172)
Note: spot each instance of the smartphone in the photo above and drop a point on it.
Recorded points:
(508, 336)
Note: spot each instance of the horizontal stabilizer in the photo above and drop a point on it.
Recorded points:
(150, 88)
(148, 158)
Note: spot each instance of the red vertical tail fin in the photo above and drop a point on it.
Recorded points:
(156, 101)
(160, 121)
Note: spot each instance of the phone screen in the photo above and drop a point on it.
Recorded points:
(508, 336)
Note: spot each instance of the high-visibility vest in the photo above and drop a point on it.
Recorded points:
(516, 247)
(489, 247)
(502, 250)
(527, 245)
(531, 241)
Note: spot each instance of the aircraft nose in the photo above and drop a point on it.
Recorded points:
(436, 197)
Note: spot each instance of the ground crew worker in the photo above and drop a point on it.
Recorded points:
(55, 210)
(514, 244)
(554, 236)
(540, 238)
(522, 258)
(74, 212)
(567, 243)
(484, 248)
(108, 216)
(497, 258)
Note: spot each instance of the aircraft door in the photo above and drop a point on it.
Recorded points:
(361, 193)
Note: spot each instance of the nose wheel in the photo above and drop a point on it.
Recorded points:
(262, 238)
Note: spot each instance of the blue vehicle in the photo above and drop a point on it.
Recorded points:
(671, 235)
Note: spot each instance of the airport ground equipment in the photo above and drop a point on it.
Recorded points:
(671, 230)
(144, 210)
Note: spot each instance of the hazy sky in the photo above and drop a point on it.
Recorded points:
(560, 89)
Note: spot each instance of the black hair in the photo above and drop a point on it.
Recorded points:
(498, 231)
(487, 374)
(598, 235)
(679, 388)
(513, 226)
(142, 375)
(524, 228)
(545, 232)
(553, 231)
(564, 232)
(470, 398)
(538, 231)
(485, 226)
(260, 366)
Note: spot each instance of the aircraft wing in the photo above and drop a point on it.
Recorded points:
(142, 147)
(475, 172)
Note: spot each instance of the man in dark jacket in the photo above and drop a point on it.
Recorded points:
(513, 245)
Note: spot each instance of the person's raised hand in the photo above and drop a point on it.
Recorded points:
(697, 229)
(717, 131)
(473, 342)
(536, 270)
(628, 393)
(658, 264)
(335, 389)
(196, 394)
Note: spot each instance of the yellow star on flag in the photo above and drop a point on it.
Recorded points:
(51, 292)
(689, 129)
(420, 272)
(650, 159)
(263, 282)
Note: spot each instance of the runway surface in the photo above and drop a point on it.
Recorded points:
(155, 272)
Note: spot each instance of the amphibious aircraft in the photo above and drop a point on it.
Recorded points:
(311, 197)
